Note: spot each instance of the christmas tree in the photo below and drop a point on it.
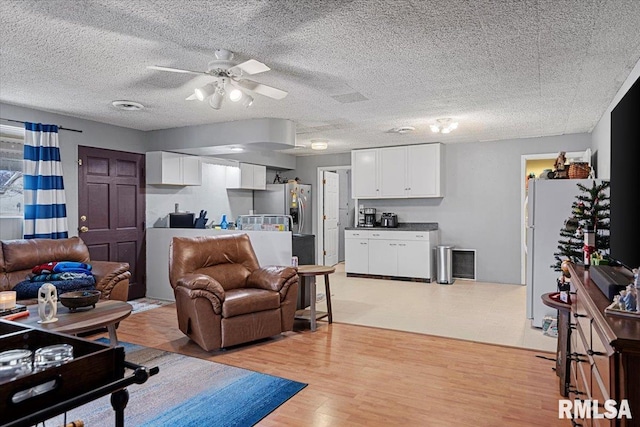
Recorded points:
(590, 211)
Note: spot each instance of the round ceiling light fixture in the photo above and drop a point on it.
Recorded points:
(127, 105)
(319, 144)
(402, 129)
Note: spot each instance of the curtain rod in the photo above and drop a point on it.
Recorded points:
(59, 127)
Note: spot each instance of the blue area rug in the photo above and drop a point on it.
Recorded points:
(191, 392)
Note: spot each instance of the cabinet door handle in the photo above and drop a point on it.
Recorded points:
(575, 391)
(393, 244)
(594, 353)
(573, 293)
(579, 315)
(376, 235)
(419, 235)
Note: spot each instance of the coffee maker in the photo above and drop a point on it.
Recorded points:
(369, 217)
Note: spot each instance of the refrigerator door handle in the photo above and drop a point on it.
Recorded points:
(302, 209)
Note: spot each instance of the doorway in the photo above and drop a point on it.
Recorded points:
(345, 212)
(111, 209)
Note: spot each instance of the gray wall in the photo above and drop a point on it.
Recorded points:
(601, 134)
(481, 206)
(93, 134)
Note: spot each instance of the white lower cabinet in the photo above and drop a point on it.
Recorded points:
(358, 259)
(391, 253)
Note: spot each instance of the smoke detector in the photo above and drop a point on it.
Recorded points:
(402, 130)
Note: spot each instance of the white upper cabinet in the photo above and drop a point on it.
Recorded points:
(397, 172)
(424, 170)
(247, 177)
(163, 167)
(364, 173)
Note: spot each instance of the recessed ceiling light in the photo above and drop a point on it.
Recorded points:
(319, 144)
(127, 105)
(237, 149)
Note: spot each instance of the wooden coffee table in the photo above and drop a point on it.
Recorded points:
(106, 313)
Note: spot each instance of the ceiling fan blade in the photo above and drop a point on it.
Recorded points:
(262, 89)
(191, 97)
(173, 70)
(249, 67)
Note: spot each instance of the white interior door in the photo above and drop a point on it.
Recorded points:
(330, 215)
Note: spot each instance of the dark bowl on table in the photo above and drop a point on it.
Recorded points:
(79, 299)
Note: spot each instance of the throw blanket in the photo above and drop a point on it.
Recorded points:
(59, 276)
(29, 290)
(62, 267)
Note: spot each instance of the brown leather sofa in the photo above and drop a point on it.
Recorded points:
(18, 257)
(223, 297)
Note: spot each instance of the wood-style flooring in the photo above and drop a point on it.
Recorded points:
(361, 375)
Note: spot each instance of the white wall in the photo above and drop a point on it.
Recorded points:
(481, 206)
(211, 196)
(601, 134)
(93, 134)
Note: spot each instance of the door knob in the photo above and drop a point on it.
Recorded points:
(84, 229)
(83, 218)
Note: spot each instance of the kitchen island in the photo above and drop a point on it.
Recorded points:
(403, 253)
(271, 248)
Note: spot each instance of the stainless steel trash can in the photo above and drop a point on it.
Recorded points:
(444, 255)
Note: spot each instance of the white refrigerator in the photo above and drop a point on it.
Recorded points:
(548, 207)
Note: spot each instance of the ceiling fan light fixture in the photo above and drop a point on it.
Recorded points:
(319, 144)
(215, 101)
(444, 126)
(203, 92)
(235, 95)
(247, 100)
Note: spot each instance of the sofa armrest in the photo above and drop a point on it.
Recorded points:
(111, 276)
(201, 285)
(273, 278)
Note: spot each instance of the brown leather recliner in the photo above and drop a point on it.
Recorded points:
(223, 297)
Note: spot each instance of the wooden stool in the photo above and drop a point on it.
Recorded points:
(308, 273)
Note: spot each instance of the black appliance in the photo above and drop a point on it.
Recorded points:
(389, 220)
(369, 217)
(304, 247)
(181, 220)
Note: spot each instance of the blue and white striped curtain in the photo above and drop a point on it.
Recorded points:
(45, 209)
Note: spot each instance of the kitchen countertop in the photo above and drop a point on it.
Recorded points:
(403, 226)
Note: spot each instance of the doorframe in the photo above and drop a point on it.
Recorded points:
(584, 155)
(320, 209)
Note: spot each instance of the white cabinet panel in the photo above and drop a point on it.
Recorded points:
(167, 168)
(247, 177)
(414, 259)
(383, 257)
(423, 170)
(356, 256)
(364, 175)
(393, 172)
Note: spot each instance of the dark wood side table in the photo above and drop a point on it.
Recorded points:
(562, 353)
(308, 274)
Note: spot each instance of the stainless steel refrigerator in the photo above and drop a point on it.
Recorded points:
(287, 199)
(548, 207)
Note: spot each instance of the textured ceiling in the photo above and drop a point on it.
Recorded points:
(353, 69)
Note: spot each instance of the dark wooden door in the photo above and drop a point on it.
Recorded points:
(111, 209)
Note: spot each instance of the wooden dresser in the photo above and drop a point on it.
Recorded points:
(604, 352)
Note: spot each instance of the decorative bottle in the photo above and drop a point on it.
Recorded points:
(589, 246)
(224, 224)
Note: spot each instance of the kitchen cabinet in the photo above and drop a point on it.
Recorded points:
(247, 176)
(407, 254)
(166, 168)
(364, 173)
(356, 244)
(397, 172)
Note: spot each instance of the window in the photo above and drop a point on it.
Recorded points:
(11, 147)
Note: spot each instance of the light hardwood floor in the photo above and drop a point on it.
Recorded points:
(360, 375)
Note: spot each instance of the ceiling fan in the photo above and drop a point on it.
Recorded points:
(229, 78)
